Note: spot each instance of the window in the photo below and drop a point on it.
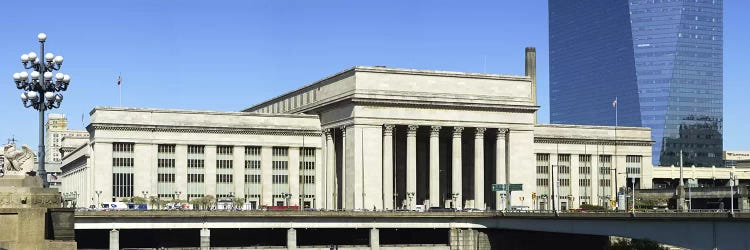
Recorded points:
(196, 171)
(252, 172)
(280, 171)
(122, 169)
(307, 172)
(224, 165)
(165, 168)
(542, 174)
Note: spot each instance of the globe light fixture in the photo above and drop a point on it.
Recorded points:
(41, 92)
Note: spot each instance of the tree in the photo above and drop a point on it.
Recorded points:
(209, 201)
(138, 200)
(238, 202)
(154, 202)
(635, 244)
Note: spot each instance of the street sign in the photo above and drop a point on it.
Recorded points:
(507, 187)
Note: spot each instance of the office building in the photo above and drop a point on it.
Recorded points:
(661, 61)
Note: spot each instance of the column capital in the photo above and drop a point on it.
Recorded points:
(501, 133)
(457, 131)
(479, 132)
(435, 131)
(412, 130)
(327, 132)
(388, 129)
(343, 130)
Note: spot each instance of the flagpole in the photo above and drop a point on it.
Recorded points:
(119, 87)
(617, 198)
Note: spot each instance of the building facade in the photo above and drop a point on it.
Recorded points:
(661, 61)
(365, 138)
(56, 131)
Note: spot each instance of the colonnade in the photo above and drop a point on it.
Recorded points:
(334, 177)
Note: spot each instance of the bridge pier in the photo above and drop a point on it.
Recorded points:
(374, 239)
(205, 239)
(291, 238)
(114, 239)
(468, 239)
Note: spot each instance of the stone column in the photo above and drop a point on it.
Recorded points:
(435, 166)
(293, 164)
(330, 179)
(114, 239)
(205, 239)
(344, 172)
(374, 239)
(291, 238)
(238, 172)
(479, 168)
(210, 167)
(388, 167)
(456, 182)
(500, 163)
(266, 184)
(411, 166)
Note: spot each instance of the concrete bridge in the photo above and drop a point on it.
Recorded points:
(463, 230)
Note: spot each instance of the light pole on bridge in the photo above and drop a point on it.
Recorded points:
(40, 92)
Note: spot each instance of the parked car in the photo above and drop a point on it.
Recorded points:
(519, 208)
(440, 209)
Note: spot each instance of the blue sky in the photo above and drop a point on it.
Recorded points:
(228, 55)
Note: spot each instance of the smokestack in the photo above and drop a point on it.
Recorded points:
(531, 72)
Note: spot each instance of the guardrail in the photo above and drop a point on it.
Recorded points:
(695, 213)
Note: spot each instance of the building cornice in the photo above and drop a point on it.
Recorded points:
(204, 130)
(557, 140)
(353, 70)
(444, 105)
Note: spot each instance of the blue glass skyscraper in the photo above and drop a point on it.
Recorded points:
(662, 61)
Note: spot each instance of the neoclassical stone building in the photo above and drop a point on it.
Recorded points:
(365, 138)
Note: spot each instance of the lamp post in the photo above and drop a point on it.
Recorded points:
(231, 200)
(287, 196)
(144, 192)
(39, 92)
(98, 193)
(453, 197)
(731, 193)
(411, 197)
(75, 195)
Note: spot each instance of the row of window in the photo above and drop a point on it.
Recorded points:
(124, 158)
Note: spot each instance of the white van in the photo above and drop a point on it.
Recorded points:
(114, 206)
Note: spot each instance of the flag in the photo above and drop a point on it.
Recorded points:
(614, 103)
(119, 80)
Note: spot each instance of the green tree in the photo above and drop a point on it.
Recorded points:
(635, 244)
(209, 201)
(154, 202)
(139, 200)
(238, 202)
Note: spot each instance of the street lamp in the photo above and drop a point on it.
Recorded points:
(177, 194)
(454, 196)
(98, 193)
(75, 198)
(144, 192)
(287, 196)
(731, 193)
(40, 92)
(632, 180)
(410, 195)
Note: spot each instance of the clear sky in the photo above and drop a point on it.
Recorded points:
(228, 55)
